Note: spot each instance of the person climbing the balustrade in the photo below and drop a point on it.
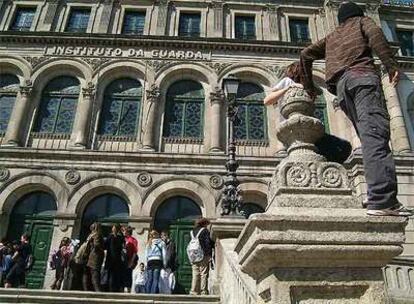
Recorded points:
(353, 77)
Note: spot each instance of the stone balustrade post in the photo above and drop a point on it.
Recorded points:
(314, 243)
(82, 122)
(216, 123)
(149, 120)
(17, 121)
(399, 137)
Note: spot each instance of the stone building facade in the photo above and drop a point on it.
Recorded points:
(113, 110)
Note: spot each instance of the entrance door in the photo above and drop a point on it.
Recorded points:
(177, 215)
(33, 215)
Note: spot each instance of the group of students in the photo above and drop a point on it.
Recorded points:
(16, 258)
(112, 264)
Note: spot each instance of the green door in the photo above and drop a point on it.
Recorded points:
(33, 215)
(177, 215)
(180, 234)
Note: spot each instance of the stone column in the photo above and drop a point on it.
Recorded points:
(82, 122)
(331, 9)
(216, 122)
(162, 17)
(314, 243)
(399, 137)
(273, 29)
(149, 121)
(18, 118)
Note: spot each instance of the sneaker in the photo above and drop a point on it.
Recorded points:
(397, 210)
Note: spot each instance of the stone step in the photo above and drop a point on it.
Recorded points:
(27, 296)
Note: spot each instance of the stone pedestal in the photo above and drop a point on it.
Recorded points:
(315, 244)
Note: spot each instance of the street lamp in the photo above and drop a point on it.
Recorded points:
(231, 198)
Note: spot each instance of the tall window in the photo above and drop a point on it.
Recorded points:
(58, 106)
(134, 23)
(245, 27)
(121, 108)
(189, 25)
(184, 110)
(9, 86)
(23, 19)
(251, 124)
(407, 43)
(299, 30)
(321, 111)
(411, 111)
(78, 20)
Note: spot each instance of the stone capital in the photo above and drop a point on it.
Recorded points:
(153, 93)
(216, 4)
(89, 90)
(26, 90)
(161, 2)
(217, 96)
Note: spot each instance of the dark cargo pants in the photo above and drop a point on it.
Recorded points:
(361, 98)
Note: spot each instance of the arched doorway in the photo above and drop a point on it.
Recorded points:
(33, 214)
(177, 215)
(106, 209)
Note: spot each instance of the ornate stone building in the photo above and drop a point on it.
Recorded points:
(113, 110)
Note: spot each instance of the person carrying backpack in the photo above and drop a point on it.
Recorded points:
(156, 258)
(200, 251)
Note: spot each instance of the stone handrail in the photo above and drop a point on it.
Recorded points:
(399, 278)
(236, 287)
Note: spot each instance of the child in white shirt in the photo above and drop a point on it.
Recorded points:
(333, 148)
(140, 279)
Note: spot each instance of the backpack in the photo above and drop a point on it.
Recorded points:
(194, 251)
(82, 254)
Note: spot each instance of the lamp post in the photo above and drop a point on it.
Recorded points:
(231, 198)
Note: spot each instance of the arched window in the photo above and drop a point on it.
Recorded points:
(9, 86)
(184, 110)
(58, 106)
(321, 111)
(248, 209)
(106, 209)
(121, 108)
(35, 204)
(252, 124)
(174, 209)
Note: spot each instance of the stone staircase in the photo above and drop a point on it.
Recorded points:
(27, 296)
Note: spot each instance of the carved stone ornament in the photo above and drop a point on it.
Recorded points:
(95, 63)
(153, 93)
(157, 65)
(217, 95)
(144, 179)
(216, 181)
(35, 61)
(218, 67)
(26, 90)
(298, 176)
(72, 177)
(330, 176)
(277, 70)
(4, 174)
(89, 90)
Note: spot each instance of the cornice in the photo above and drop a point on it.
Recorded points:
(110, 40)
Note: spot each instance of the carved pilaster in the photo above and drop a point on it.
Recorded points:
(149, 123)
(52, 6)
(163, 6)
(217, 7)
(216, 100)
(273, 12)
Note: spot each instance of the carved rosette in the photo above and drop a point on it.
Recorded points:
(144, 179)
(298, 176)
(72, 177)
(216, 181)
(331, 175)
(95, 63)
(4, 174)
(218, 67)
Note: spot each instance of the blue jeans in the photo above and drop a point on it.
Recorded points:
(153, 280)
(140, 289)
